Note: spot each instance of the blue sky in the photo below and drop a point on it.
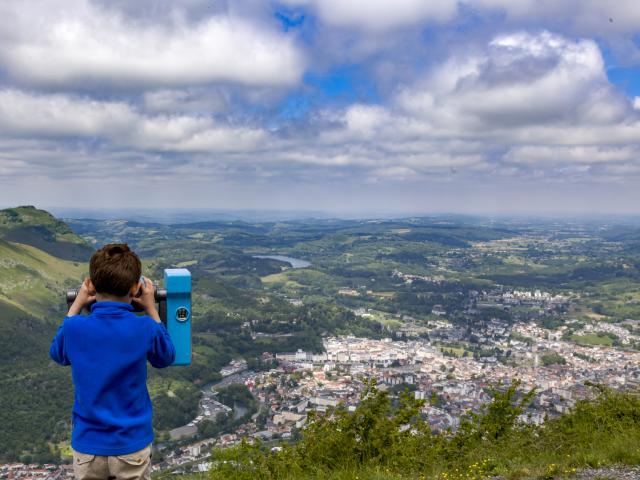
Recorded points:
(626, 79)
(480, 106)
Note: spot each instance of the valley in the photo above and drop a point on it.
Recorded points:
(486, 299)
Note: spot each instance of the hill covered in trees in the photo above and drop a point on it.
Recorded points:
(37, 262)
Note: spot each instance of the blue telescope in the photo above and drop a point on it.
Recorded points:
(174, 307)
(175, 312)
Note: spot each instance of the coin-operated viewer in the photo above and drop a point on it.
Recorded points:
(174, 308)
(108, 350)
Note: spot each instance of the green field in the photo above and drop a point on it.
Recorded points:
(592, 339)
(281, 280)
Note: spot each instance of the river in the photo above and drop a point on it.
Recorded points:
(294, 262)
(239, 411)
(226, 381)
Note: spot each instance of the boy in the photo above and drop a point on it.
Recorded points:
(108, 352)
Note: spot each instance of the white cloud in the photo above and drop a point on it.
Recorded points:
(543, 99)
(187, 100)
(76, 43)
(23, 115)
(540, 155)
(395, 173)
(366, 119)
(587, 17)
(522, 106)
(522, 87)
(380, 15)
(623, 169)
(520, 79)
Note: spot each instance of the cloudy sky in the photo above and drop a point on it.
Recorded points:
(383, 106)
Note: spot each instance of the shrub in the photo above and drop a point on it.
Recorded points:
(382, 441)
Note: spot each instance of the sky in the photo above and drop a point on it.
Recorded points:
(339, 106)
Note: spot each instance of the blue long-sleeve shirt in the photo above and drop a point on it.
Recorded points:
(108, 352)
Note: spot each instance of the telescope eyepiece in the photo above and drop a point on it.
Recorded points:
(160, 296)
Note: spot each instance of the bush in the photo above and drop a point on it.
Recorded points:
(552, 358)
(381, 441)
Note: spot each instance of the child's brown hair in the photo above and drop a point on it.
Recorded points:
(114, 269)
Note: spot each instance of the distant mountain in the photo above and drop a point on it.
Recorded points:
(185, 215)
(38, 228)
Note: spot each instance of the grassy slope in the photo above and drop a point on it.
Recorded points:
(28, 225)
(33, 281)
(27, 216)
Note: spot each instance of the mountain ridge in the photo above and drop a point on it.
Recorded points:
(38, 228)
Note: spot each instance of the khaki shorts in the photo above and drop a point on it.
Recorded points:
(132, 466)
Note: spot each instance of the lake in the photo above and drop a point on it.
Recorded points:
(294, 262)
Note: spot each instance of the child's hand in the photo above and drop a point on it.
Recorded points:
(86, 295)
(147, 299)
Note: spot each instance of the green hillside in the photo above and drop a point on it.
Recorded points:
(33, 280)
(20, 333)
(32, 393)
(38, 256)
(35, 265)
(38, 228)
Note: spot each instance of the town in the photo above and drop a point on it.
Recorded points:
(451, 382)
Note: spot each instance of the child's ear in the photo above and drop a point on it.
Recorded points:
(133, 292)
(90, 287)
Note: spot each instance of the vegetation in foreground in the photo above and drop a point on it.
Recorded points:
(381, 440)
